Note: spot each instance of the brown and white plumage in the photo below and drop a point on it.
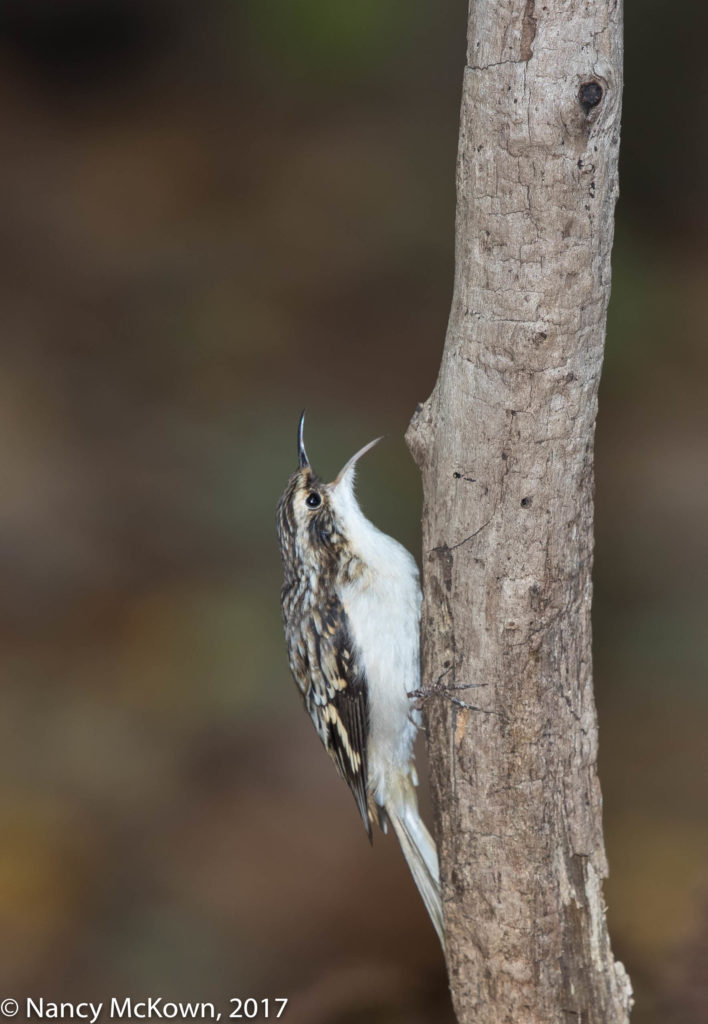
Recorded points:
(351, 611)
(320, 647)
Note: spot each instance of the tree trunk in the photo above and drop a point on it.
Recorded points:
(505, 445)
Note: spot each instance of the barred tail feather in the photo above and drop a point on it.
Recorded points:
(420, 853)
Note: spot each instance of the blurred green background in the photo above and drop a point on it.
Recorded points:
(213, 215)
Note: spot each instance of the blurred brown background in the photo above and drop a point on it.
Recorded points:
(213, 215)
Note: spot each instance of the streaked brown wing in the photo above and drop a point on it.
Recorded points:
(335, 693)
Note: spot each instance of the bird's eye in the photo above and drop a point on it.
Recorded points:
(313, 500)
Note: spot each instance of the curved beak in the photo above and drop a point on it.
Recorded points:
(301, 453)
(353, 461)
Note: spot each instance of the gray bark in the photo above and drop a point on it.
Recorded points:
(505, 445)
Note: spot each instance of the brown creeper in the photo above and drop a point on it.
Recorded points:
(351, 611)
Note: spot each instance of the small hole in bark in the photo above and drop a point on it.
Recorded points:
(526, 502)
(589, 95)
(457, 475)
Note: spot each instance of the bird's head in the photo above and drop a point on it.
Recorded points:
(315, 519)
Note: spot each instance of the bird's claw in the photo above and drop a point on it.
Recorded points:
(437, 689)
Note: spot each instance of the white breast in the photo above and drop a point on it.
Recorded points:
(383, 608)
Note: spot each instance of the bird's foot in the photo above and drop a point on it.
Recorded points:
(439, 689)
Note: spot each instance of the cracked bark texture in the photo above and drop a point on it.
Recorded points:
(505, 445)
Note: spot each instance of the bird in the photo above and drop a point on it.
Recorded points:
(351, 603)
